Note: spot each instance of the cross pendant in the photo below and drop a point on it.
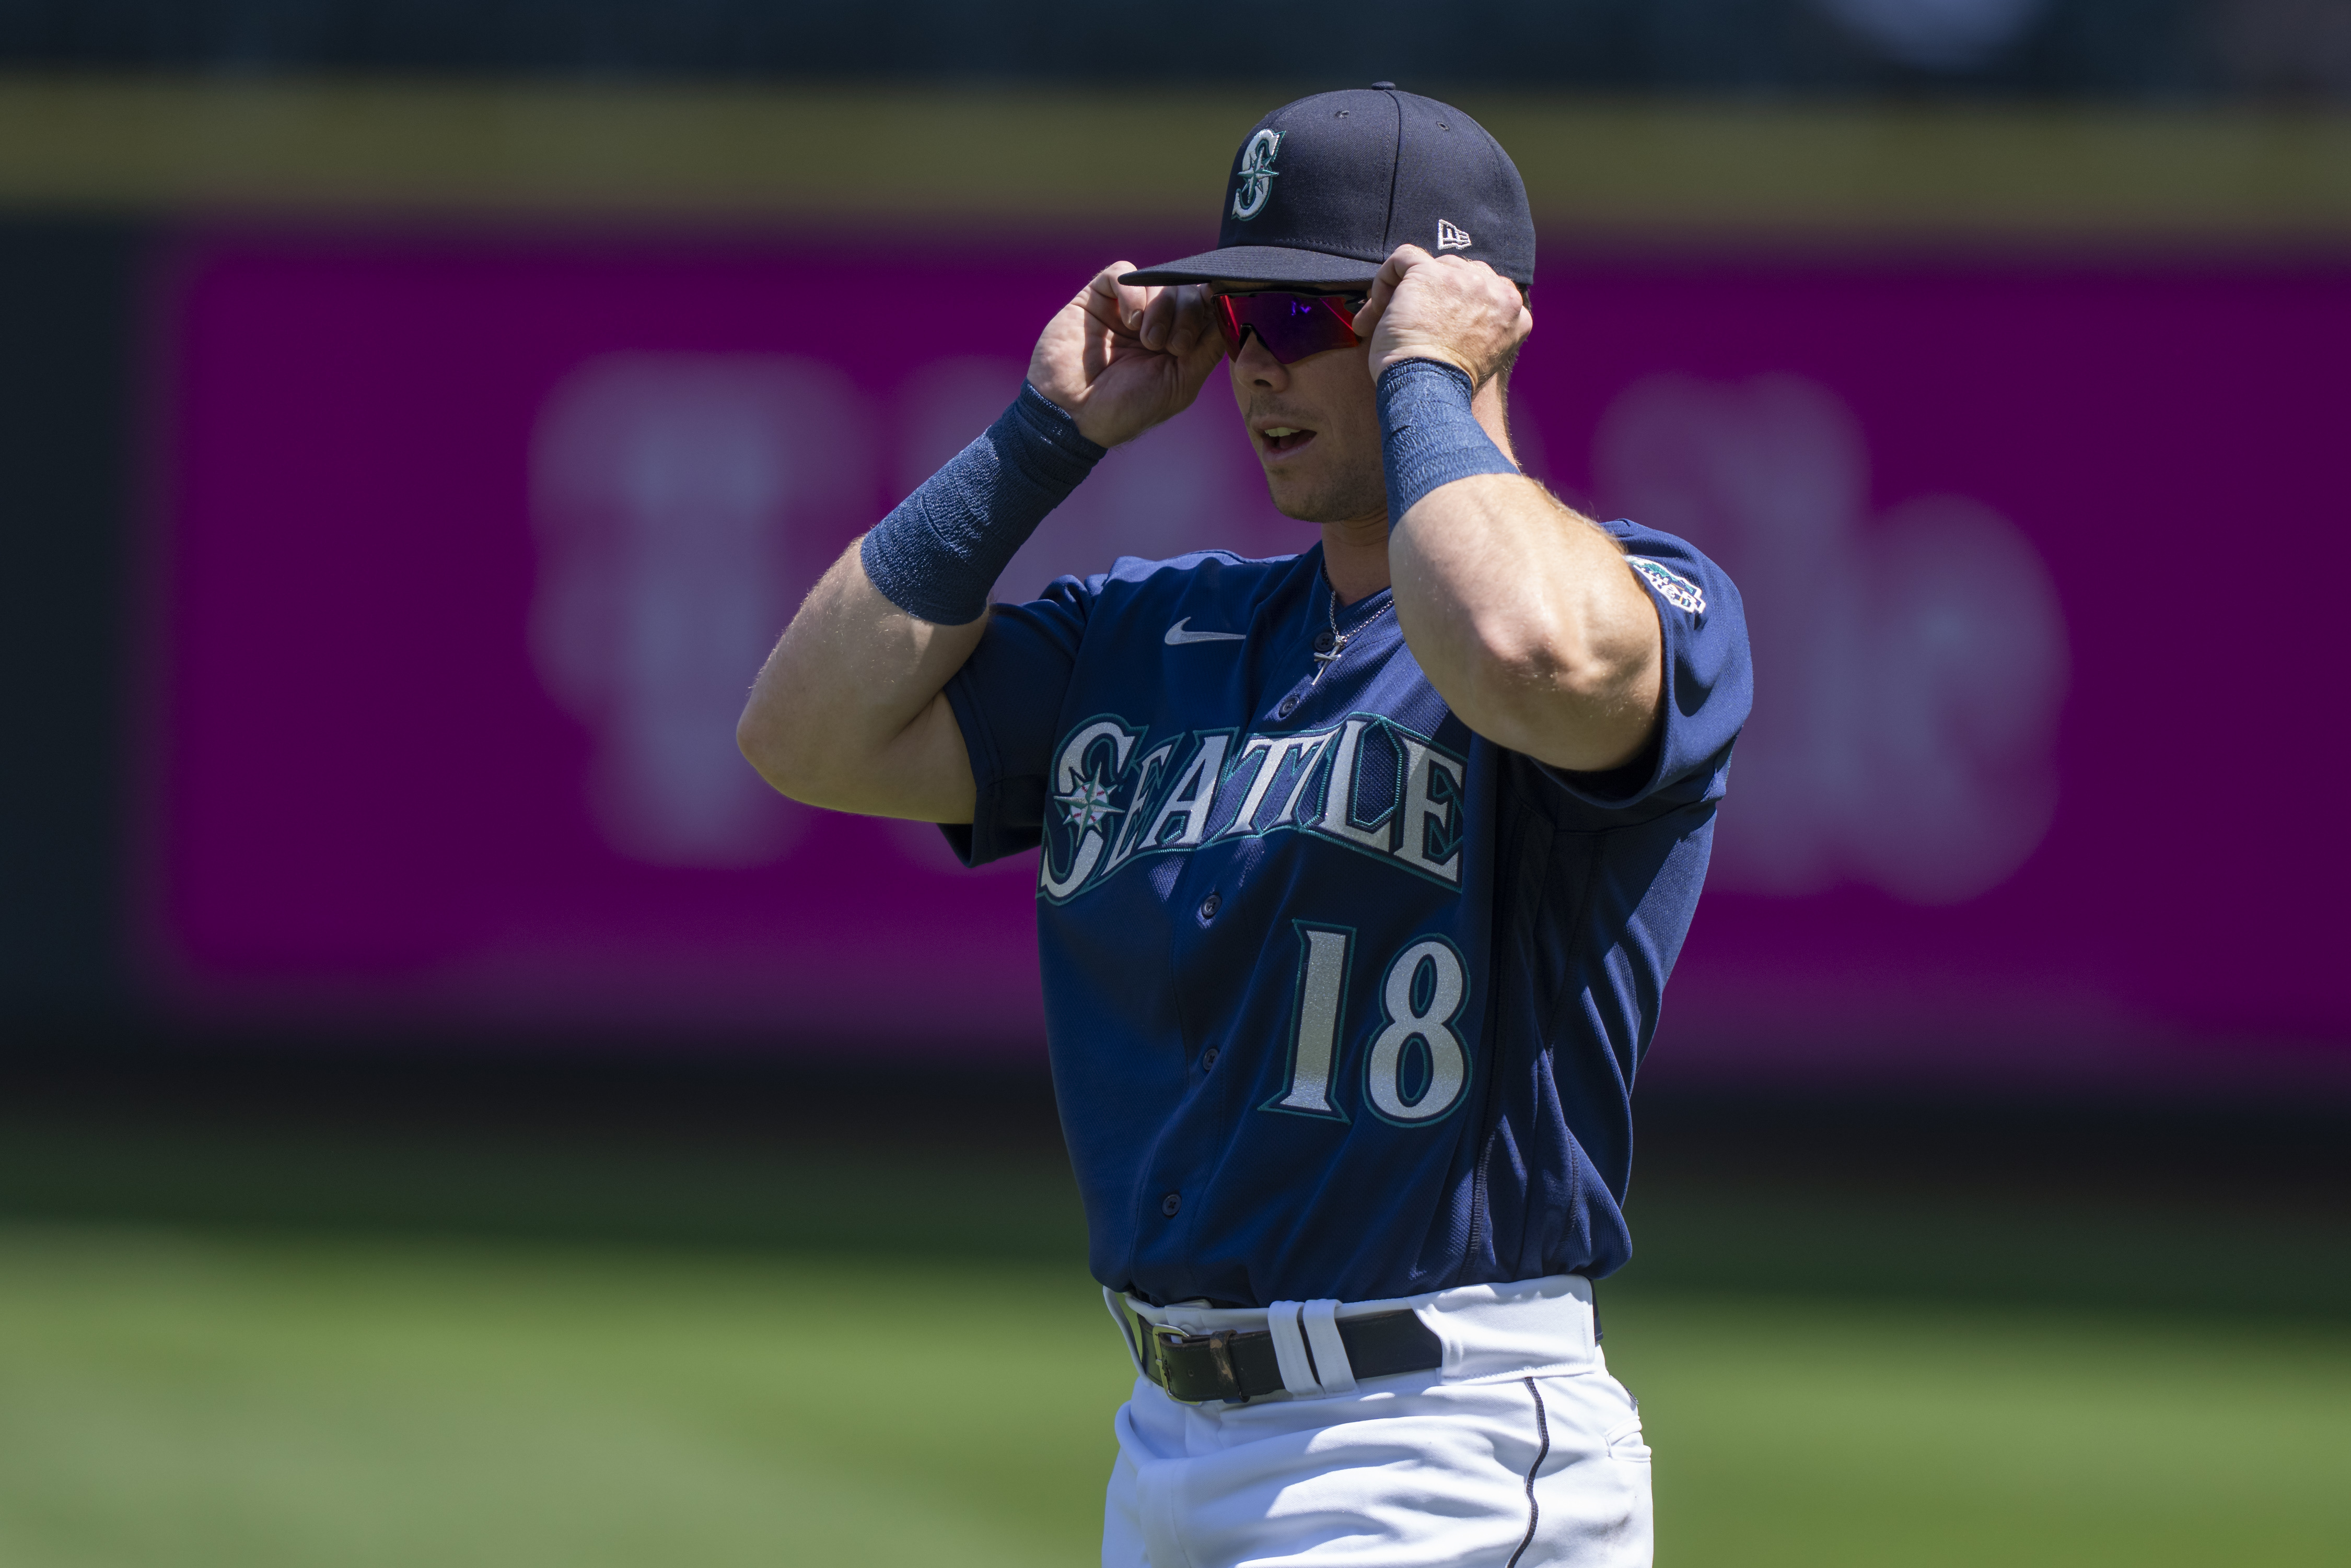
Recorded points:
(1325, 660)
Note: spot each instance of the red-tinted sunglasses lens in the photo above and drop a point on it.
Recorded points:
(1291, 326)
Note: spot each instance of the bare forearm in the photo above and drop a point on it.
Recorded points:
(1523, 615)
(1526, 619)
(848, 713)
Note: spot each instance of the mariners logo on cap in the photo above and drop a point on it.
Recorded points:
(1256, 176)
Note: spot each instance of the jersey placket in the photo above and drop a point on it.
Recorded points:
(1210, 931)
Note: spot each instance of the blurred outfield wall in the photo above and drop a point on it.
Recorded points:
(486, 436)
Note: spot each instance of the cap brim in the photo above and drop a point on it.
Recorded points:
(1260, 264)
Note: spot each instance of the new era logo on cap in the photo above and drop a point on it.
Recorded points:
(1449, 238)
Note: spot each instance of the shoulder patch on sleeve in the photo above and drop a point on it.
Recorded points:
(1672, 587)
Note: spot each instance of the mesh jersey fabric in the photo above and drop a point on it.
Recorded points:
(1342, 1000)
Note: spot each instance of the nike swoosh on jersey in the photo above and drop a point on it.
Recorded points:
(1177, 636)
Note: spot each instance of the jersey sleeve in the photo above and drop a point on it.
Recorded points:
(1709, 682)
(1007, 700)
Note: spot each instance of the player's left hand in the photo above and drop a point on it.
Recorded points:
(1444, 307)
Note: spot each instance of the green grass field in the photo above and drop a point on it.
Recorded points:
(184, 1396)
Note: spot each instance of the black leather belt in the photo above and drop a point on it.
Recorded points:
(1238, 1364)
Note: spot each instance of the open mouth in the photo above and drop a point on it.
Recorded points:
(1284, 437)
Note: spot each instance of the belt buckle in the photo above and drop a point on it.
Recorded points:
(1164, 1337)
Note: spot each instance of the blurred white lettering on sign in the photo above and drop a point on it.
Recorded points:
(665, 491)
(1908, 669)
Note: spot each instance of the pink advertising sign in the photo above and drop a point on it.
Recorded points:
(469, 549)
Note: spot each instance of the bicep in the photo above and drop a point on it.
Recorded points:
(1609, 718)
(926, 774)
(1001, 702)
(921, 774)
(1531, 623)
(1701, 678)
(815, 739)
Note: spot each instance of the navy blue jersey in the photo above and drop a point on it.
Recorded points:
(1343, 1000)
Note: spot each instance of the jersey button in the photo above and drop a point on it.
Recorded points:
(1208, 1059)
(1210, 904)
(1289, 706)
(1170, 1204)
(1323, 641)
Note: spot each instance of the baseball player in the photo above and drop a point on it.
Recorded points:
(1361, 870)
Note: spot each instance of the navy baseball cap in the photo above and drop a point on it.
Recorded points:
(1323, 189)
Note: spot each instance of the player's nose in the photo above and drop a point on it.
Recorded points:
(1256, 365)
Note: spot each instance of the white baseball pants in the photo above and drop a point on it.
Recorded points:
(1518, 1451)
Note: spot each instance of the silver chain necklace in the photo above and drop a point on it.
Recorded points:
(1339, 639)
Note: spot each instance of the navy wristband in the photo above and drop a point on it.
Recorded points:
(1429, 438)
(936, 556)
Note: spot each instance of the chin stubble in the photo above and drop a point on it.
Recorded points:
(1339, 498)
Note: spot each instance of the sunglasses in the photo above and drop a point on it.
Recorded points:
(1291, 326)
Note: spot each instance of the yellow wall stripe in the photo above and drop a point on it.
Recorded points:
(1629, 170)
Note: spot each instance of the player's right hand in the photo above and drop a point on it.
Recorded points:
(1121, 358)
